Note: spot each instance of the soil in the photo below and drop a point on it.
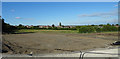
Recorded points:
(43, 43)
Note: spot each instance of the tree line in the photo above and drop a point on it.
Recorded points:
(100, 28)
(7, 28)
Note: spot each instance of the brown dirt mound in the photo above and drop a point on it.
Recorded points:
(8, 47)
(13, 48)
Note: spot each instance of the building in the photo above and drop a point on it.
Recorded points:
(43, 26)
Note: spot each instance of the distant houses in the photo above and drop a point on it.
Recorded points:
(61, 26)
(65, 26)
(48, 26)
(44, 26)
(29, 26)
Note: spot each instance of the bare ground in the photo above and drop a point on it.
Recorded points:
(40, 43)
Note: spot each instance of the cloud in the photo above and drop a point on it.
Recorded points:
(102, 14)
(28, 19)
(116, 5)
(94, 21)
(24, 18)
(17, 17)
(12, 10)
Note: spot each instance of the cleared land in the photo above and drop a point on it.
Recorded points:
(55, 41)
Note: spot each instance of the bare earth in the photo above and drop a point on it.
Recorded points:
(40, 42)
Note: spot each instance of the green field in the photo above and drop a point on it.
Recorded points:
(53, 31)
(47, 31)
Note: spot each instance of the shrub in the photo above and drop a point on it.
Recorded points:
(109, 28)
(86, 29)
(54, 28)
(89, 29)
(97, 29)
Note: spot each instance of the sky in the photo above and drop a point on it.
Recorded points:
(60, 0)
(68, 13)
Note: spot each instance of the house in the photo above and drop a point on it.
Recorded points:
(41, 26)
(116, 25)
(66, 26)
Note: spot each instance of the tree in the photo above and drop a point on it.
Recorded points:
(108, 24)
(92, 25)
(117, 24)
(53, 25)
(101, 25)
(7, 28)
(60, 24)
(21, 26)
(113, 25)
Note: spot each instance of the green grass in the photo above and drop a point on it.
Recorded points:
(54, 31)
(110, 32)
(47, 31)
(26, 30)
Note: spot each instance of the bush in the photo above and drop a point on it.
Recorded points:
(54, 28)
(97, 29)
(89, 29)
(86, 29)
(109, 28)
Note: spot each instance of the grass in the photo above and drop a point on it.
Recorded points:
(111, 32)
(26, 30)
(54, 31)
(46, 31)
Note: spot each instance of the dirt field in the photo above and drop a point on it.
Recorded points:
(54, 42)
